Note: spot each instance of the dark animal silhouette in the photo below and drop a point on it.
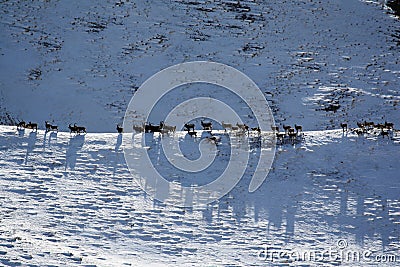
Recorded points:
(298, 128)
(21, 125)
(50, 127)
(32, 126)
(369, 124)
(149, 128)
(359, 132)
(72, 129)
(384, 133)
(80, 129)
(344, 126)
(76, 129)
(206, 125)
(189, 126)
(360, 125)
(257, 129)
(389, 125)
(286, 128)
(119, 128)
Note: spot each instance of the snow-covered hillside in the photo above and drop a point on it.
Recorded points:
(80, 61)
(69, 200)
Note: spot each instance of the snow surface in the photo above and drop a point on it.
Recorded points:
(70, 200)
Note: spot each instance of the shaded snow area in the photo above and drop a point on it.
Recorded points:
(332, 198)
(70, 200)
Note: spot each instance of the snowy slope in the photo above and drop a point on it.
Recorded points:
(70, 200)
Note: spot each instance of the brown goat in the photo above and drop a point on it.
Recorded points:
(189, 126)
(50, 127)
(32, 126)
(207, 126)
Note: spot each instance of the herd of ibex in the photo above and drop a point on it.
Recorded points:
(34, 126)
(290, 134)
(370, 127)
(49, 127)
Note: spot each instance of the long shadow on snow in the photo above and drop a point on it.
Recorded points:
(30, 145)
(281, 199)
(75, 144)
